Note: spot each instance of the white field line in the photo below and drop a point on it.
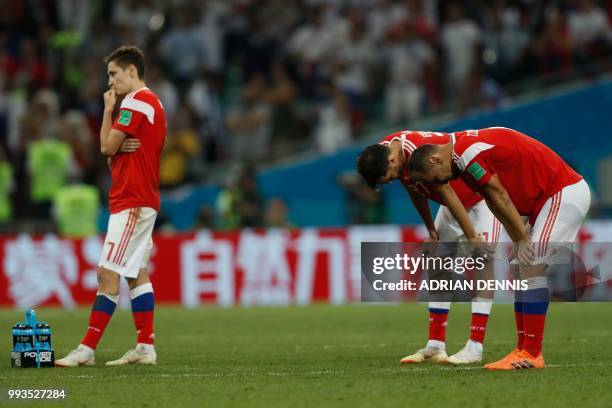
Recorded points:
(407, 369)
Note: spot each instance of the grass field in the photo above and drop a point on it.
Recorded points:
(321, 356)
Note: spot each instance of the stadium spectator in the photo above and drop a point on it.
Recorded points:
(277, 214)
(504, 40)
(239, 203)
(460, 40)
(286, 128)
(181, 146)
(590, 30)
(408, 59)
(76, 208)
(250, 202)
(553, 46)
(353, 63)
(479, 91)
(74, 130)
(166, 90)
(182, 49)
(6, 189)
(249, 122)
(206, 218)
(363, 205)
(204, 99)
(334, 128)
(310, 44)
(48, 167)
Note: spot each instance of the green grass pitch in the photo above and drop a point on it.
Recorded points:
(321, 356)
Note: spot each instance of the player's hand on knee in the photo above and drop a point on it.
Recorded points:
(430, 243)
(480, 247)
(525, 252)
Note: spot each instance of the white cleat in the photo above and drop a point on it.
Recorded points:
(426, 354)
(81, 356)
(140, 355)
(470, 354)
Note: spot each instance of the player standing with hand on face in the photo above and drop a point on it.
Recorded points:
(133, 142)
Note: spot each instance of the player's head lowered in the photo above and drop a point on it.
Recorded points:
(432, 164)
(126, 69)
(378, 165)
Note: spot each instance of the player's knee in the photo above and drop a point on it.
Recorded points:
(108, 281)
(143, 277)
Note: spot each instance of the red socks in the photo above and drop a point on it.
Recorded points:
(534, 333)
(437, 324)
(101, 313)
(478, 327)
(143, 306)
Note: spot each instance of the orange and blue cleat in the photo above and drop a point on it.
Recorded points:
(518, 360)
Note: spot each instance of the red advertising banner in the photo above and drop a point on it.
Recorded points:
(248, 267)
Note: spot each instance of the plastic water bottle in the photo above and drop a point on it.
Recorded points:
(27, 337)
(21, 337)
(31, 317)
(43, 335)
(16, 333)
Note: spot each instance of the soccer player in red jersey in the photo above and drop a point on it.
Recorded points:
(518, 177)
(133, 141)
(385, 162)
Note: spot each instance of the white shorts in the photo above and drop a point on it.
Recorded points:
(484, 222)
(559, 221)
(128, 243)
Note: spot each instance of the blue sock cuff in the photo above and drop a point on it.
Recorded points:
(104, 304)
(535, 301)
(536, 295)
(143, 303)
(518, 307)
(438, 311)
(535, 308)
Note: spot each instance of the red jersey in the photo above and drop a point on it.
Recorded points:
(530, 171)
(136, 175)
(411, 140)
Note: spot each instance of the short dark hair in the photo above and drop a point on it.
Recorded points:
(373, 163)
(126, 55)
(419, 159)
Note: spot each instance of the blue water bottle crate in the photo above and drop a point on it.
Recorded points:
(32, 343)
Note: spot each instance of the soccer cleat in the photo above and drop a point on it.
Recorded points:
(470, 354)
(428, 353)
(139, 355)
(526, 360)
(517, 360)
(504, 362)
(81, 356)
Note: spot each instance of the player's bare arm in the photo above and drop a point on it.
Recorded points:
(452, 202)
(421, 204)
(110, 139)
(503, 208)
(500, 203)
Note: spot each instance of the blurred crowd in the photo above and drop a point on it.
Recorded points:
(250, 81)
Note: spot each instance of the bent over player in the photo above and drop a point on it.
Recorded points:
(518, 176)
(140, 126)
(387, 161)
